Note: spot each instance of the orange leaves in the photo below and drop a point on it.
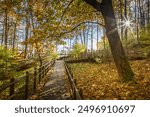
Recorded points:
(100, 81)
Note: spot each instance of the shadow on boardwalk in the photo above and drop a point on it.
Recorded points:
(57, 87)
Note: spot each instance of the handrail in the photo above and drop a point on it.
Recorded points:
(74, 88)
(50, 64)
(42, 72)
(3, 87)
(101, 54)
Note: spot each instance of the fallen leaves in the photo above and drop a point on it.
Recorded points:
(100, 81)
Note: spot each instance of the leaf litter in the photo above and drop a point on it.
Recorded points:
(100, 81)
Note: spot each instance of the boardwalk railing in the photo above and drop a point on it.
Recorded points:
(21, 88)
(76, 94)
(104, 56)
(88, 56)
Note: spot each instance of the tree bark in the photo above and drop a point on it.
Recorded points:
(121, 16)
(3, 31)
(81, 38)
(92, 40)
(97, 37)
(14, 37)
(84, 37)
(148, 12)
(120, 59)
(6, 30)
(87, 38)
(126, 30)
(26, 36)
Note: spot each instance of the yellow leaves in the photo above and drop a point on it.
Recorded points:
(38, 7)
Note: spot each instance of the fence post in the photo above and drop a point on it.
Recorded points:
(81, 93)
(42, 71)
(72, 75)
(75, 82)
(26, 85)
(40, 74)
(45, 70)
(35, 73)
(12, 87)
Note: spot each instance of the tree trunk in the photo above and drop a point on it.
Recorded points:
(6, 29)
(123, 67)
(97, 36)
(26, 36)
(92, 40)
(121, 15)
(84, 37)
(3, 31)
(148, 12)
(87, 38)
(126, 30)
(14, 37)
(138, 22)
(70, 45)
(81, 38)
(38, 53)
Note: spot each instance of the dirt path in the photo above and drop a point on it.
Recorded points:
(57, 86)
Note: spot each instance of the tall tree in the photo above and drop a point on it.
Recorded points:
(26, 28)
(106, 8)
(97, 37)
(6, 26)
(148, 11)
(126, 30)
(92, 40)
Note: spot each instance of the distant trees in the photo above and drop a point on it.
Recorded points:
(145, 41)
(77, 49)
(25, 34)
(19, 25)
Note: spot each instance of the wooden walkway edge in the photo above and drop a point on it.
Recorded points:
(57, 87)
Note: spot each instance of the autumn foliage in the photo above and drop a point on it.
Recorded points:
(100, 81)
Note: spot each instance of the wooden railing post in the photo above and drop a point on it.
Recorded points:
(75, 82)
(42, 71)
(40, 74)
(81, 93)
(26, 85)
(12, 87)
(35, 73)
(72, 75)
(46, 69)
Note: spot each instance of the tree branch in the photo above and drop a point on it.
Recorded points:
(94, 3)
(78, 26)
(64, 12)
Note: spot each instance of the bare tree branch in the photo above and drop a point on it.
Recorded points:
(78, 26)
(66, 10)
(94, 3)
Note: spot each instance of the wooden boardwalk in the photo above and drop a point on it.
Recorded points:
(57, 87)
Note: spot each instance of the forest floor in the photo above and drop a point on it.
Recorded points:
(100, 81)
